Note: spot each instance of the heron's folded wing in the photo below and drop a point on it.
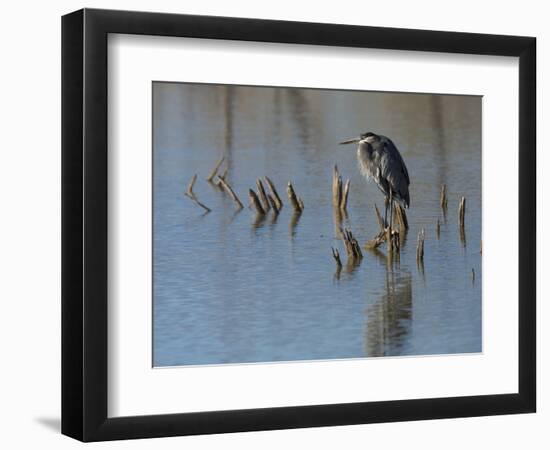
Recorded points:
(394, 170)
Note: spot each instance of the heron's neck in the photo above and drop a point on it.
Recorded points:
(363, 151)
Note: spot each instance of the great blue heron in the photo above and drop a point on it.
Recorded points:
(380, 160)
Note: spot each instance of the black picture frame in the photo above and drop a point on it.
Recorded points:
(84, 224)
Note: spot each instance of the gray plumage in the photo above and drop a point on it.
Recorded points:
(380, 161)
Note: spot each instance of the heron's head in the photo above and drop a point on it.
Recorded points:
(368, 137)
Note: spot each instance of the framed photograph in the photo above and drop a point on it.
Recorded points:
(273, 224)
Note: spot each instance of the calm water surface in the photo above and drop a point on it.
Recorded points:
(232, 288)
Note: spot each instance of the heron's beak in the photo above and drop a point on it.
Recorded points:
(351, 141)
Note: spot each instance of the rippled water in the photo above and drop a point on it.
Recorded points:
(232, 288)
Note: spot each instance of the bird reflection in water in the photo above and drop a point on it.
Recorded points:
(389, 318)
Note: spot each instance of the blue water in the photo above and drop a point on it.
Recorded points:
(230, 287)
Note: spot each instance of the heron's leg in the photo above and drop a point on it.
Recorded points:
(391, 212)
(386, 203)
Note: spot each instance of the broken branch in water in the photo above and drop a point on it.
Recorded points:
(340, 191)
(215, 170)
(273, 204)
(443, 197)
(255, 201)
(437, 228)
(345, 193)
(274, 193)
(375, 242)
(381, 237)
(420, 246)
(295, 201)
(263, 197)
(461, 212)
(223, 176)
(394, 242)
(353, 249)
(189, 190)
(336, 256)
(189, 193)
(336, 187)
(392, 237)
(294, 219)
(230, 192)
